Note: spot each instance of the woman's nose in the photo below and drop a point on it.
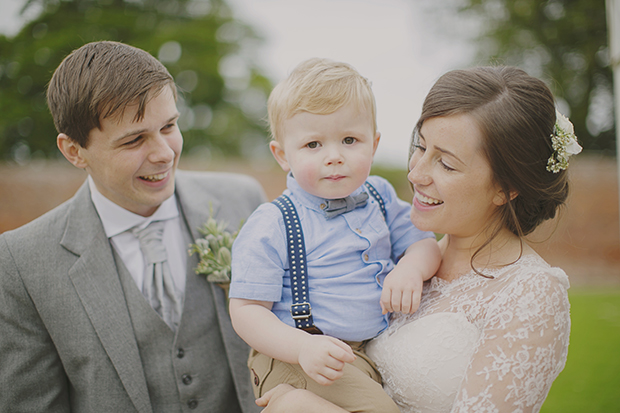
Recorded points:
(419, 170)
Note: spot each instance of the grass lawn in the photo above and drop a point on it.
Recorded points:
(590, 381)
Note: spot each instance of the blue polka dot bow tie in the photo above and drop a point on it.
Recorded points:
(335, 207)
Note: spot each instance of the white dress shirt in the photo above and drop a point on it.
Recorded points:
(117, 223)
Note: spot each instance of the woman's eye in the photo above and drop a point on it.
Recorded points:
(313, 145)
(446, 167)
(418, 146)
(349, 140)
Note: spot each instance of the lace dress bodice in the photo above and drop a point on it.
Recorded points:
(479, 344)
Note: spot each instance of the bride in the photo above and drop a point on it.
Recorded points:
(488, 165)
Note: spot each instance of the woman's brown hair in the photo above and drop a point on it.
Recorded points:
(516, 115)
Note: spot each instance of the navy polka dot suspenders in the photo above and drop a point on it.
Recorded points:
(301, 310)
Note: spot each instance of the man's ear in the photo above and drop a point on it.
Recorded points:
(71, 150)
(278, 152)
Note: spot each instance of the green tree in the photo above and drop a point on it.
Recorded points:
(563, 42)
(209, 53)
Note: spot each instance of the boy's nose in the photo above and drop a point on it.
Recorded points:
(334, 157)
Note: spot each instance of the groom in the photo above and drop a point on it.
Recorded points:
(92, 319)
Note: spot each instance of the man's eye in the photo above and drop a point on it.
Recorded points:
(349, 140)
(313, 145)
(133, 141)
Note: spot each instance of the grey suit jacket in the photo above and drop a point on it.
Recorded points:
(66, 339)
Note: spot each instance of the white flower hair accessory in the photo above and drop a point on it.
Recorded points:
(564, 144)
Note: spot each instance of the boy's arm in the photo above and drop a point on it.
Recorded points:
(321, 357)
(402, 287)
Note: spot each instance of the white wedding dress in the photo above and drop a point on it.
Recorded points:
(479, 344)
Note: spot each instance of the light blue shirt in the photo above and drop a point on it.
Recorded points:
(348, 258)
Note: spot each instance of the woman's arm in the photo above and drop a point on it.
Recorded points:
(522, 349)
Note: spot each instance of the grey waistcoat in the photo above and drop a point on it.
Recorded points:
(189, 371)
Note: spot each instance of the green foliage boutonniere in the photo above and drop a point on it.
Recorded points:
(214, 251)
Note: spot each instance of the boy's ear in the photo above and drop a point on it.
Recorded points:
(278, 152)
(71, 150)
(375, 144)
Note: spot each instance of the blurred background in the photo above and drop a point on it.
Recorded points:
(226, 55)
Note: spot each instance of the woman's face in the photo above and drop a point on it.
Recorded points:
(454, 191)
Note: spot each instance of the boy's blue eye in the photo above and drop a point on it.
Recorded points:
(349, 140)
(312, 145)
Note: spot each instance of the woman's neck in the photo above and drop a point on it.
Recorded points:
(457, 252)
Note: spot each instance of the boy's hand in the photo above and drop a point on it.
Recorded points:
(323, 358)
(402, 291)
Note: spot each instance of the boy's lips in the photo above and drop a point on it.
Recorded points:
(335, 177)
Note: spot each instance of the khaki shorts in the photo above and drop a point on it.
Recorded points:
(358, 390)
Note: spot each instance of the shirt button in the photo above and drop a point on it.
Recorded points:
(180, 353)
(187, 379)
(192, 403)
(359, 231)
(365, 257)
(322, 206)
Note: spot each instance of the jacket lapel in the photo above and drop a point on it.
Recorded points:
(95, 278)
(195, 205)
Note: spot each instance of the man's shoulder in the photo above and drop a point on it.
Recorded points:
(218, 181)
(47, 226)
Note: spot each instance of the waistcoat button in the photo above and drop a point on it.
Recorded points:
(192, 403)
(187, 379)
(180, 353)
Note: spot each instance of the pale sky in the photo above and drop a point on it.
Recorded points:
(397, 44)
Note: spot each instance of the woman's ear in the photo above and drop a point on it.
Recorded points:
(278, 152)
(500, 197)
(71, 150)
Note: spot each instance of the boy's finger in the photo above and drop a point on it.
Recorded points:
(342, 352)
(397, 298)
(415, 302)
(328, 378)
(385, 300)
(335, 364)
(406, 302)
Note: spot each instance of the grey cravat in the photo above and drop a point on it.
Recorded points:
(158, 286)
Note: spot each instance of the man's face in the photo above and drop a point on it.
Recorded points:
(133, 163)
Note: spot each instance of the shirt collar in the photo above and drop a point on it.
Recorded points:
(116, 219)
(306, 199)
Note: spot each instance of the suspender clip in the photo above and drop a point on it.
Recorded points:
(300, 311)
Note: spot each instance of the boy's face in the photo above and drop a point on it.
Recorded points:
(330, 155)
(133, 163)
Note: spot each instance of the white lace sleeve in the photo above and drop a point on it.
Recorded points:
(523, 345)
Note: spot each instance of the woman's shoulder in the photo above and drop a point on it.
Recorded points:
(532, 266)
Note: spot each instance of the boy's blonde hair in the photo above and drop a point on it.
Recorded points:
(319, 86)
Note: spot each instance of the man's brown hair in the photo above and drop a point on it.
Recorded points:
(100, 80)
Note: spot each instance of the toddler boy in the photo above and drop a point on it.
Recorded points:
(322, 119)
